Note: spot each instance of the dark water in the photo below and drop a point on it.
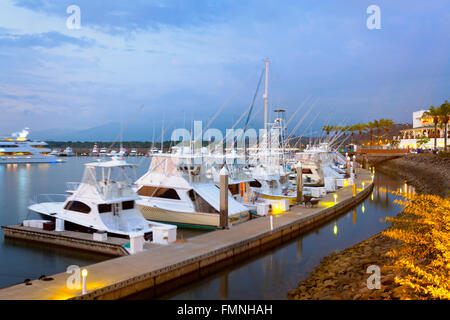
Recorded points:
(18, 184)
(272, 274)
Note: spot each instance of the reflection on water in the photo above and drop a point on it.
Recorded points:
(20, 183)
(272, 274)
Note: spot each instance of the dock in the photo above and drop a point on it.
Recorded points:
(113, 246)
(127, 275)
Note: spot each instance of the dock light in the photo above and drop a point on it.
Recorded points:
(345, 183)
(406, 187)
(84, 274)
(335, 198)
(363, 184)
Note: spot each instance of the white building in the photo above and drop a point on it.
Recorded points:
(422, 127)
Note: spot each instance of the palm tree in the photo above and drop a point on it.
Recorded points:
(444, 118)
(434, 113)
(386, 124)
(370, 127)
(327, 129)
(360, 127)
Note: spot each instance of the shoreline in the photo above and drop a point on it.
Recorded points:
(342, 275)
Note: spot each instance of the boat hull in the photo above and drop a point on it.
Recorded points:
(292, 200)
(195, 220)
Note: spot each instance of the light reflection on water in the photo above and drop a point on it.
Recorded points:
(272, 274)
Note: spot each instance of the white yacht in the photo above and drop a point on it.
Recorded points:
(67, 152)
(18, 149)
(177, 190)
(103, 152)
(94, 152)
(103, 201)
(133, 152)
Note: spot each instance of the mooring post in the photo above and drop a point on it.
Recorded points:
(299, 170)
(348, 167)
(223, 198)
(354, 163)
(354, 189)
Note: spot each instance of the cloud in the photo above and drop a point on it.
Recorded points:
(49, 39)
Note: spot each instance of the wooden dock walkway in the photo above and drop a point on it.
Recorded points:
(124, 276)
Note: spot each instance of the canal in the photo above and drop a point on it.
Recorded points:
(266, 276)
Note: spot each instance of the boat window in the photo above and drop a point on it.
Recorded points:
(8, 146)
(104, 207)
(255, 184)
(234, 188)
(192, 195)
(167, 193)
(306, 171)
(77, 206)
(128, 205)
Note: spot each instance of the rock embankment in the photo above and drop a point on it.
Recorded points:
(428, 173)
(344, 275)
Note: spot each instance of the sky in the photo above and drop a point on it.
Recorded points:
(145, 62)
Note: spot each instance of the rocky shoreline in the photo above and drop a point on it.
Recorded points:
(343, 275)
(428, 173)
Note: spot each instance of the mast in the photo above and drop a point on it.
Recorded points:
(266, 95)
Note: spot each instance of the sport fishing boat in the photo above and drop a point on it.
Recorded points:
(67, 152)
(103, 152)
(103, 201)
(176, 189)
(18, 149)
(133, 152)
(94, 152)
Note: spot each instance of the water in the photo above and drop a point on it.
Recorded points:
(266, 276)
(272, 274)
(19, 184)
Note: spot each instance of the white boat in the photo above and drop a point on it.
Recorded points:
(177, 190)
(18, 149)
(103, 152)
(55, 152)
(67, 152)
(95, 152)
(103, 201)
(133, 153)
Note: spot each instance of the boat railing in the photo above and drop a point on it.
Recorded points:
(72, 186)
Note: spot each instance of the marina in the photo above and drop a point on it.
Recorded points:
(237, 151)
(199, 252)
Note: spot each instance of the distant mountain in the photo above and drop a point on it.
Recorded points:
(106, 132)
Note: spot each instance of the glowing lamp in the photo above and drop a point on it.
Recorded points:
(335, 198)
(84, 274)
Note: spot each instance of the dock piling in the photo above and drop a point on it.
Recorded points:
(299, 170)
(224, 198)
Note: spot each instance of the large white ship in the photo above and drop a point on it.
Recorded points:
(18, 149)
